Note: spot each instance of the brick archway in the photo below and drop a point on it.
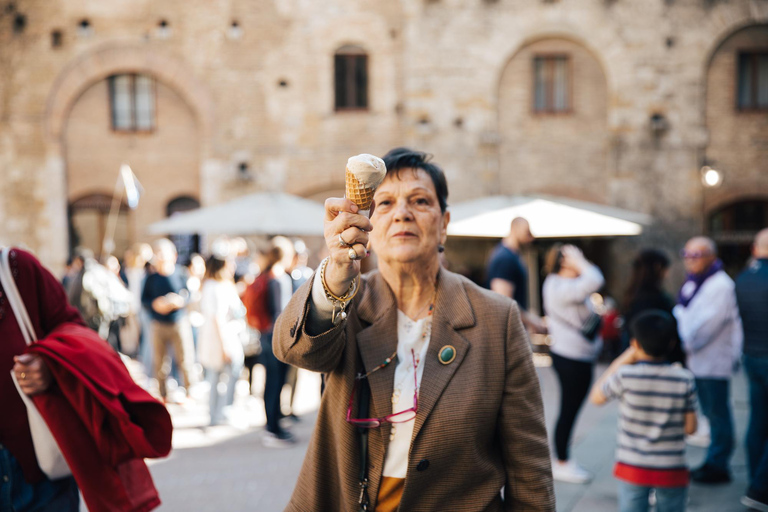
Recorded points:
(84, 72)
(107, 60)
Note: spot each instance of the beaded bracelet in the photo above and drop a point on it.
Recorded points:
(339, 303)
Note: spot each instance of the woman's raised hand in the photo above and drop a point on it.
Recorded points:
(346, 235)
(573, 258)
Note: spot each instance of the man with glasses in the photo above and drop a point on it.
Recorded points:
(710, 330)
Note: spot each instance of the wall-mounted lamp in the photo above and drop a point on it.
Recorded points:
(711, 178)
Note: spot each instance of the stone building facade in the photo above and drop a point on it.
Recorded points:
(619, 102)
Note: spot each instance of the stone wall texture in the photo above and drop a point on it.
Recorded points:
(243, 81)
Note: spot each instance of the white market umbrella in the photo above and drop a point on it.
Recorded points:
(264, 213)
(549, 217)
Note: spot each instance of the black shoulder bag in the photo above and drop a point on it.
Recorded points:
(363, 409)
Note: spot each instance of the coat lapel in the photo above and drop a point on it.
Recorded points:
(376, 343)
(452, 312)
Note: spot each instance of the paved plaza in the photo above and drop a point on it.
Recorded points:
(226, 469)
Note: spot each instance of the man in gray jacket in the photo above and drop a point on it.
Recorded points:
(710, 330)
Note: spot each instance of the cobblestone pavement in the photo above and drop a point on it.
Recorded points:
(227, 468)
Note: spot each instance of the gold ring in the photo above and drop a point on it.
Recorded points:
(23, 376)
(352, 253)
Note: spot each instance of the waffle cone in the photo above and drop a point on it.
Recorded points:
(359, 194)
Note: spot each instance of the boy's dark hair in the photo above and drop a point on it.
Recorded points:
(405, 158)
(654, 330)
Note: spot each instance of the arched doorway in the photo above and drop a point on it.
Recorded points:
(186, 245)
(132, 118)
(88, 224)
(734, 226)
(553, 119)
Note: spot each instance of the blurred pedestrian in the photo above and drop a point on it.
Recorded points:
(657, 406)
(74, 265)
(752, 297)
(508, 275)
(220, 349)
(300, 273)
(262, 301)
(165, 294)
(137, 265)
(25, 486)
(711, 333)
(646, 291)
(102, 423)
(432, 400)
(576, 344)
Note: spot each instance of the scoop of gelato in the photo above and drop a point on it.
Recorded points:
(369, 170)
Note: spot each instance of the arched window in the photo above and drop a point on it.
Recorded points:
(351, 78)
(132, 103)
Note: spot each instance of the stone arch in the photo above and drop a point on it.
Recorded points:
(106, 60)
(555, 142)
(86, 71)
(736, 136)
(560, 33)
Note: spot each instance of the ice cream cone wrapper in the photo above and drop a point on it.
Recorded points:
(359, 194)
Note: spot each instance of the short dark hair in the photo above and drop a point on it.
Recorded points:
(406, 158)
(655, 330)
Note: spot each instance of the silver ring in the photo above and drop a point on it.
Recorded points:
(352, 253)
(342, 242)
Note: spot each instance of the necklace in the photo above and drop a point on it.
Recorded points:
(426, 332)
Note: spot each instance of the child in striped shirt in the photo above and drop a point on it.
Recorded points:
(657, 403)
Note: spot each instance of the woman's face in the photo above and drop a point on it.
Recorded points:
(408, 224)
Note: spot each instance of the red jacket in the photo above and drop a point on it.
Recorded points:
(48, 307)
(104, 423)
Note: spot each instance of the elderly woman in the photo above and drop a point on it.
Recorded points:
(432, 401)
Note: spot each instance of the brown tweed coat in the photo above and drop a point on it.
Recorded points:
(480, 424)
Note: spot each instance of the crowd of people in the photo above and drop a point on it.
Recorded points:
(203, 320)
(674, 374)
(430, 391)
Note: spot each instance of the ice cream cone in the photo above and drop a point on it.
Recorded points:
(359, 194)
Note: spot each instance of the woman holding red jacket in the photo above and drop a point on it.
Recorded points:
(103, 422)
(29, 488)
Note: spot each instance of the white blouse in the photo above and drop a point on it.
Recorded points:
(409, 336)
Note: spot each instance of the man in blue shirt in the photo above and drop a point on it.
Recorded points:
(165, 295)
(508, 275)
(752, 296)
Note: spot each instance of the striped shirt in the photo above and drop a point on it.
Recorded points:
(654, 398)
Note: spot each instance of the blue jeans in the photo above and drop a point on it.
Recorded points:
(714, 395)
(232, 372)
(634, 498)
(46, 496)
(757, 432)
(273, 386)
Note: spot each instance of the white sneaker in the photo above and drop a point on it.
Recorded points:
(570, 472)
(270, 440)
